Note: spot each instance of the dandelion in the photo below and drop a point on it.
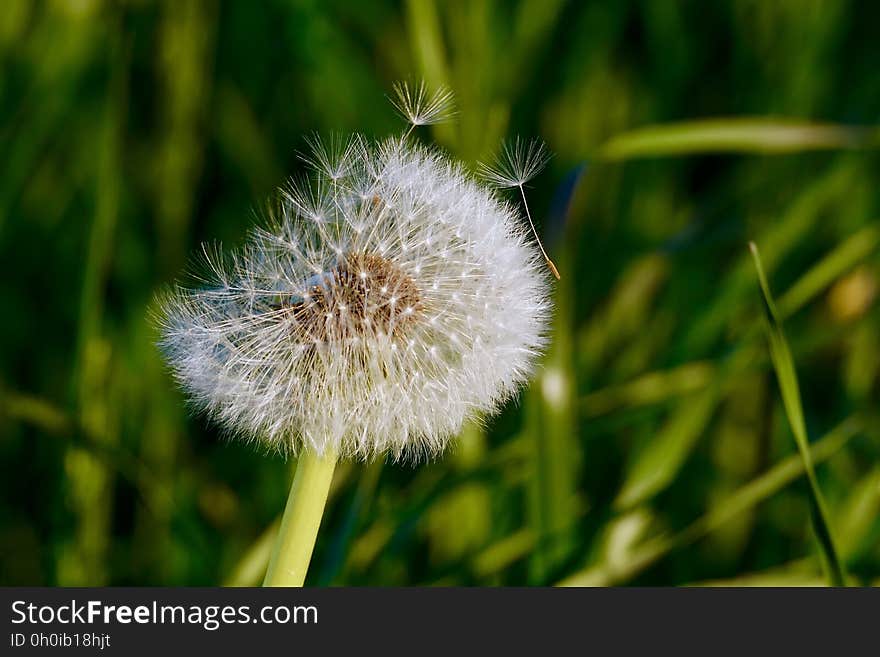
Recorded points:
(383, 303)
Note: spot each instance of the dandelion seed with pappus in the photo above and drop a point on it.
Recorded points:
(383, 303)
(518, 163)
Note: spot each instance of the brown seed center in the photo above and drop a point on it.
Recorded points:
(365, 295)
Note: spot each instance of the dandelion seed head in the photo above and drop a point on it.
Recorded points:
(416, 302)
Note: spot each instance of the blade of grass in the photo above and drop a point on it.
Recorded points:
(656, 466)
(747, 496)
(553, 493)
(801, 572)
(783, 363)
(501, 554)
(666, 385)
(90, 483)
(488, 563)
(859, 516)
(779, 239)
(844, 257)
(425, 35)
(426, 38)
(651, 388)
(736, 135)
(252, 566)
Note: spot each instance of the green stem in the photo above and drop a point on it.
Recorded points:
(301, 520)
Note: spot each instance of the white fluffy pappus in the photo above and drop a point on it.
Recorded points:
(386, 300)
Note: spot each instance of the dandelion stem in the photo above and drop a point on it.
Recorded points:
(302, 518)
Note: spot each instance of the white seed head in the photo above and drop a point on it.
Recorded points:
(381, 306)
(518, 162)
(419, 107)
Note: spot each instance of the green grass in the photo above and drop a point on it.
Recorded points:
(783, 364)
(654, 445)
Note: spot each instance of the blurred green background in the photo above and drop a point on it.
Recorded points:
(652, 448)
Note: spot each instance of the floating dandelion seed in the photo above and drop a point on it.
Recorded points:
(517, 164)
(419, 107)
